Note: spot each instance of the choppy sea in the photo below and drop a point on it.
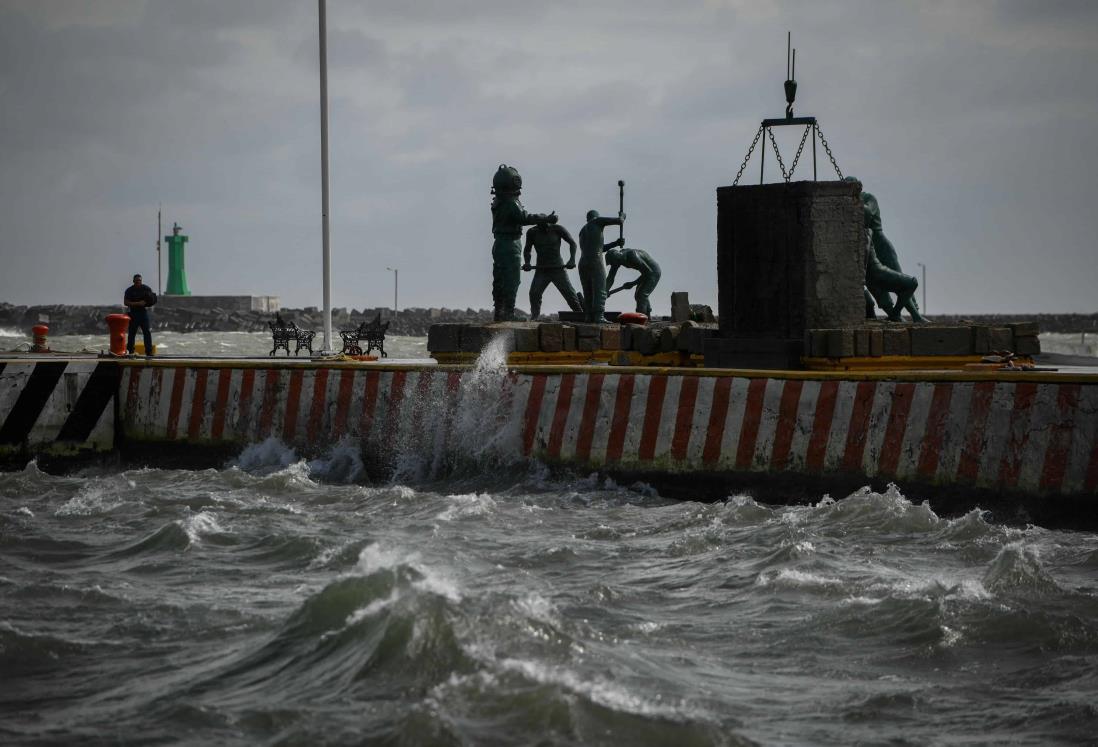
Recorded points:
(279, 600)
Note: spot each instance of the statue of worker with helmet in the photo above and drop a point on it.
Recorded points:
(508, 219)
(592, 266)
(550, 267)
(883, 274)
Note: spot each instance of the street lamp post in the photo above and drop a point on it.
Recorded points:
(923, 284)
(326, 257)
(396, 286)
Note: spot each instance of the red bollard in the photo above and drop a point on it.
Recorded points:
(40, 344)
(118, 324)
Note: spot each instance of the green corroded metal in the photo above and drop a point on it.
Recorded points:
(883, 274)
(642, 262)
(592, 267)
(508, 219)
(177, 265)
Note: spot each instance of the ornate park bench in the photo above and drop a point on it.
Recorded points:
(373, 334)
(286, 332)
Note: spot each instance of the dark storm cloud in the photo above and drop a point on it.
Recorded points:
(970, 121)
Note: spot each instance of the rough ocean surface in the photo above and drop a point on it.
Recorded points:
(476, 598)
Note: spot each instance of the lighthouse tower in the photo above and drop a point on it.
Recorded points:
(177, 266)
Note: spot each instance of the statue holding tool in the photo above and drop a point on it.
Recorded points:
(642, 262)
(592, 267)
(545, 239)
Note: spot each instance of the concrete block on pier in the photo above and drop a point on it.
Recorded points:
(1025, 329)
(876, 343)
(840, 343)
(1026, 345)
(551, 337)
(568, 338)
(611, 337)
(999, 338)
(934, 340)
(861, 342)
(680, 306)
(444, 338)
(897, 341)
(526, 339)
(474, 338)
(669, 339)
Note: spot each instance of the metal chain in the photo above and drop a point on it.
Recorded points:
(777, 153)
(797, 157)
(823, 140)
(748, 156)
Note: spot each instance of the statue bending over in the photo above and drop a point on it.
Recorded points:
(642, 262)
(508, 219)
(883, 274)
(545, 238)
(592, 268)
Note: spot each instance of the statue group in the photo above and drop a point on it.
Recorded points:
(545, 237)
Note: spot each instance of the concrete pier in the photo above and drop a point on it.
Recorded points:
(1031, 437)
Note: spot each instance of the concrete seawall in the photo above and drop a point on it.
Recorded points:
(1022, 434)
(1029, 437)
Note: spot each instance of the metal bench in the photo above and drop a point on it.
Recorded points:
(373, 334)
(286, 332)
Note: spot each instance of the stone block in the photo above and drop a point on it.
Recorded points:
(817, 343)
(1025, 329)
(861, 343)
(682, 342)
(568, 338)
(840, 343)
(1028, 345)
(551, 337)
(587, 344)
(526, 339)
(592, 331)
(680, 306)
(701, 312)
(627, 331)
(999, 338)
(474, 337)
(934, 340)
(444, 338)
(611, 337)
(897, 341)
(646, 341)
(980, 343)
(669, 339)
(876, 343)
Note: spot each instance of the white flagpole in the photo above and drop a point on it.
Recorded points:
(327, 264)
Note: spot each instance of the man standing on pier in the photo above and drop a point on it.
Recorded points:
(545, 238)
(137, 299)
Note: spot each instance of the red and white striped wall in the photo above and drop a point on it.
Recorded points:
(1030, 436)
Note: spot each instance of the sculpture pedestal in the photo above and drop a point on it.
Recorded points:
(790, 258)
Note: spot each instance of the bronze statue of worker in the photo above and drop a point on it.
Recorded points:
(545, 240)
(642, 262)
(508, 219)
(883, 274)
(592, 267)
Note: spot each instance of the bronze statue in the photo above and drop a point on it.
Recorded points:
(642, 262)
(550, 268)
(883, 274)
(508, 219)
(592, 268)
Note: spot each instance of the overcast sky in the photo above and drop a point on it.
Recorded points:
(973, 122)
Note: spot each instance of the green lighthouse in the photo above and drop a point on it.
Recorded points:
(177, 266)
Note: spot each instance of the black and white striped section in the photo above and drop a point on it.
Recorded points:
(57, 406)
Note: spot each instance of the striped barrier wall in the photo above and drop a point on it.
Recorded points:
(56, 407)
(1010, 433)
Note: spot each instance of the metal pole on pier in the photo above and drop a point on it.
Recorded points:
(327, 263)
(396, 286)
(159, 284)
(924, 284)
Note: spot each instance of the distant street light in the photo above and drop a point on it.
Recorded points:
(396, 286)
(923, 284)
